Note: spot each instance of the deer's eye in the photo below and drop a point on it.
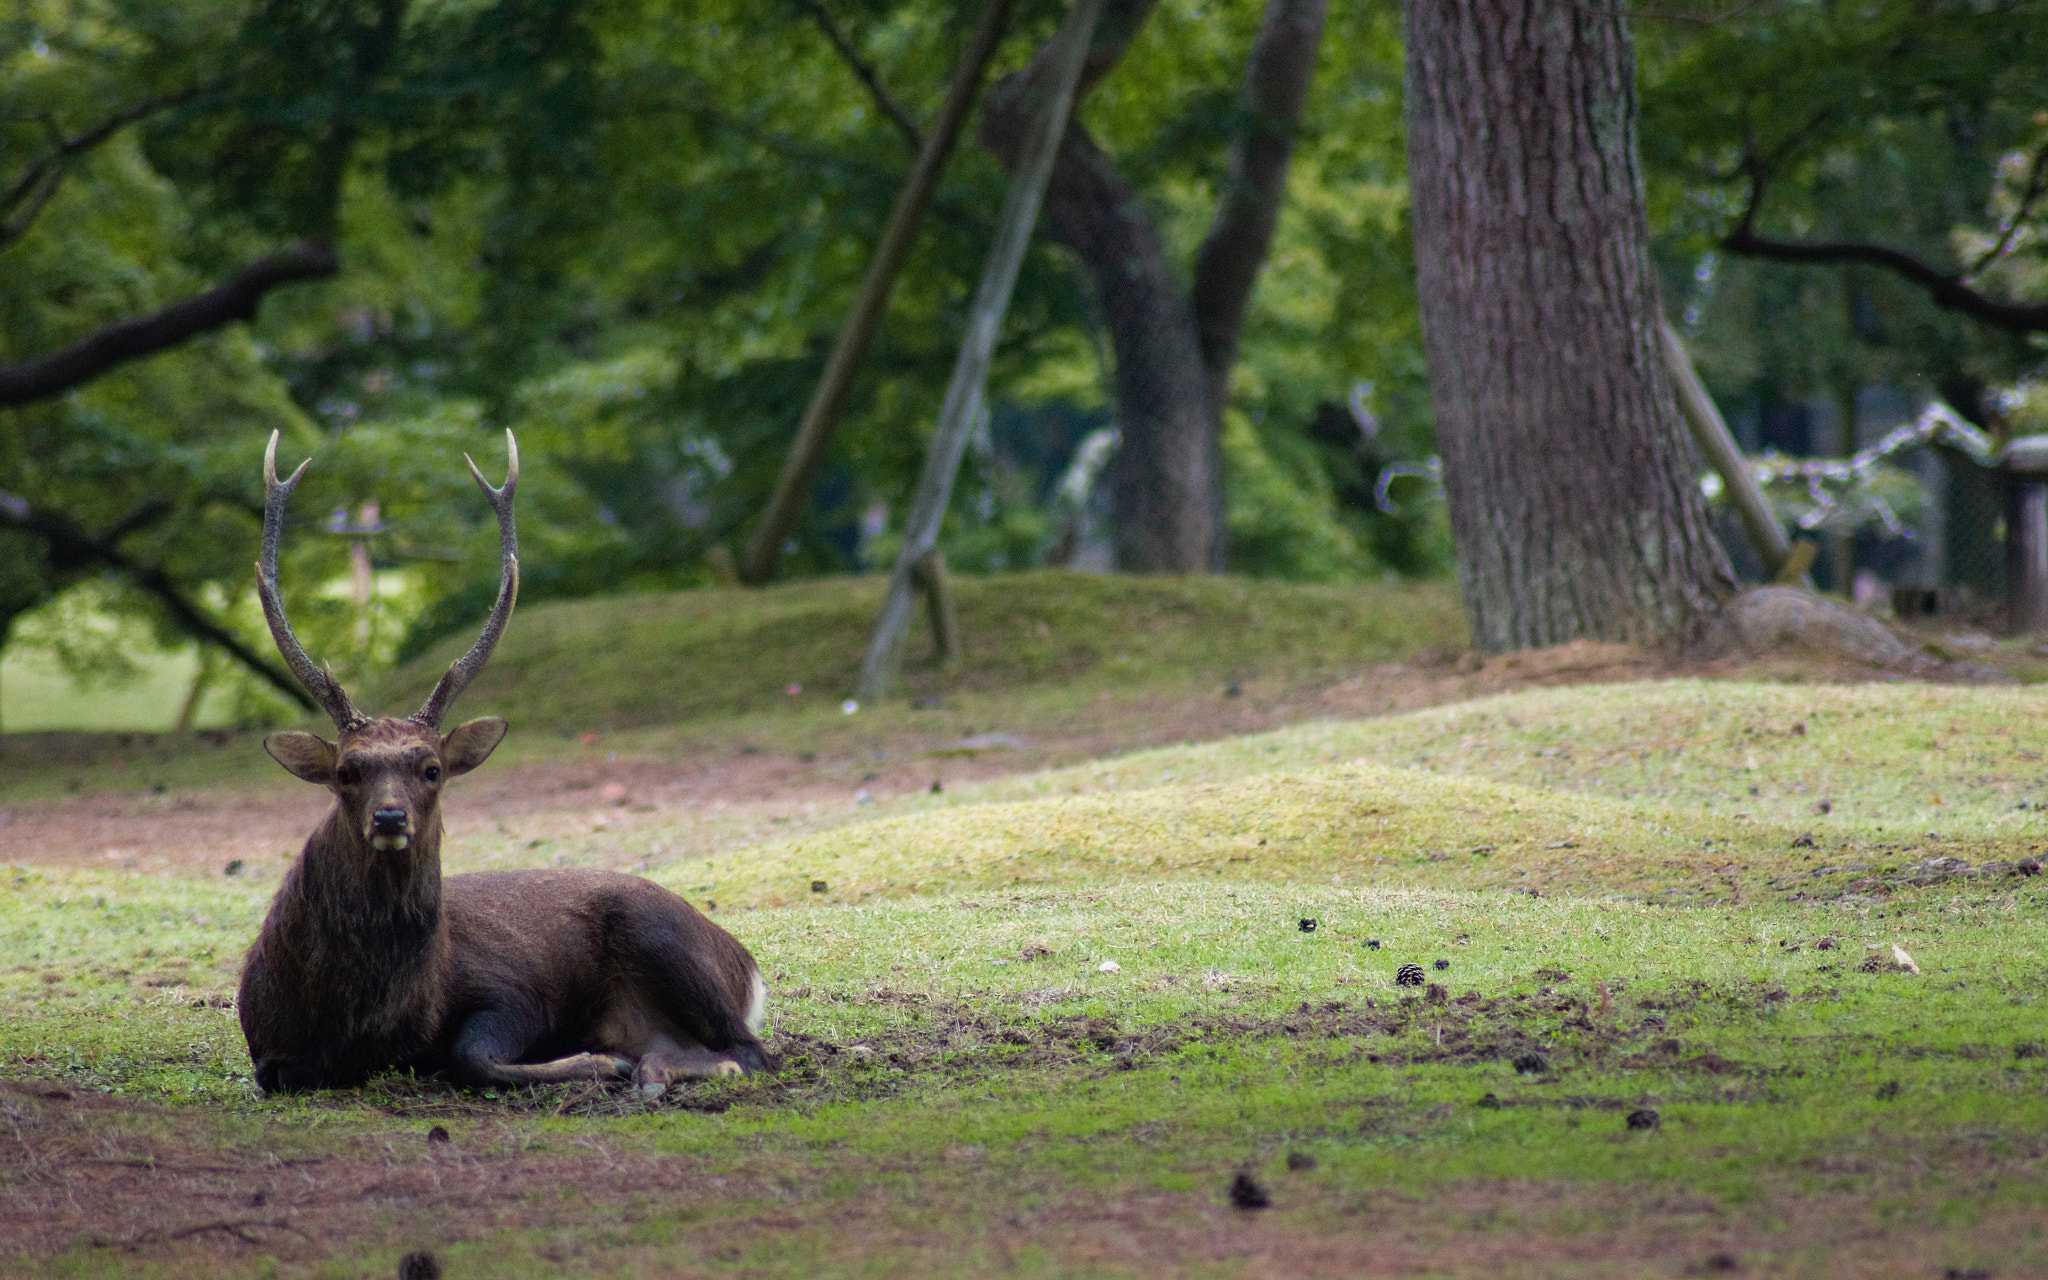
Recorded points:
(433, 773)
(348, 775)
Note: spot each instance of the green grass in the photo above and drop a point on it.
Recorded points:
(36, 695)
(665, 658)
(1229, 1036)
(670, 673)
(968, 1090)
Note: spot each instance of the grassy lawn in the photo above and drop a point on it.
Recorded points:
(687, 672)
(1041, 1024)
(36, 695)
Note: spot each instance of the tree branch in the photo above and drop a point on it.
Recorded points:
(26, 198)
(1276, 82)
(1948, 291)
(905, 122)
(71, 545)
(1168, 472)
(233, 299)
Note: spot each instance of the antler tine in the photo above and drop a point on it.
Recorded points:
(464, 669)
(318, 681)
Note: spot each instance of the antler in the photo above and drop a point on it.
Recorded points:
(465, 668)
(318, 681)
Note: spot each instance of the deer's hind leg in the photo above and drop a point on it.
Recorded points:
(661, 1053)
(487, 1049)
(690, 1010)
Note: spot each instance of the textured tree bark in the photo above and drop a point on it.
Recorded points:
(1571, 492)
(1173, 349)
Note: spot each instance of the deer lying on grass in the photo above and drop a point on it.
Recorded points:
(370, 960)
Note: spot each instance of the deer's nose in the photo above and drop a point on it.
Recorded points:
(388, 822)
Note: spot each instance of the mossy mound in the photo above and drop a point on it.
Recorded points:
(662, 658)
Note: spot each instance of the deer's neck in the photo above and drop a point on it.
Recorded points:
(357, 888)
(366, 928)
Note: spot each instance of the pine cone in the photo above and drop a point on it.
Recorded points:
(419, 1265)
(1644, 1119)
(1246, 1193)
(1408, 975)
(1308, 924)
(1442, 965)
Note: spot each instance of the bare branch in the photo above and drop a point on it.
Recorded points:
(26, 198)
(905, 122)
(1946, 290)
(70, 543)
(233, 299)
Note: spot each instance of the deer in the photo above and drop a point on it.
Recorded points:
(369, 959)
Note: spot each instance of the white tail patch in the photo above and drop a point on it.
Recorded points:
(757, 1001)
(1904, 961)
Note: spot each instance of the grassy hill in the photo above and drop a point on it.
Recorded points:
(1662, 1032)
(662, 658)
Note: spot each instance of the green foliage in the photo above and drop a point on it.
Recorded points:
(1282, 524)
(629, 233)
(1887, 123)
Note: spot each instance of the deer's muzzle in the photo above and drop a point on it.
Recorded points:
(389, 829)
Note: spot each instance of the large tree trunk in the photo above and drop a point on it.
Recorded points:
(1572, 494)
(1173, 350)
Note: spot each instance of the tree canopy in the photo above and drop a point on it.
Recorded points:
(629, 229)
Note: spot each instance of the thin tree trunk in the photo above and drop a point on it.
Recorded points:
(1572, 494)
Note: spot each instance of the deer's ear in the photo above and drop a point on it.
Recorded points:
(471, 744)
(306, 755)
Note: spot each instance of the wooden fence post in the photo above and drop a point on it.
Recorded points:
(2026, 534)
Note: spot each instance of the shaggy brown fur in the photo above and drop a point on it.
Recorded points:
(369, 959)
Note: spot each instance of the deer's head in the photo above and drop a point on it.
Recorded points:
(386, 773)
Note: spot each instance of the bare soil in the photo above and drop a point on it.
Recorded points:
(131, 1184)
(734, 792)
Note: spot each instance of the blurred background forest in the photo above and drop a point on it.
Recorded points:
(629, 230)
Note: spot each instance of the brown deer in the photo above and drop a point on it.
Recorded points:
(370, 960)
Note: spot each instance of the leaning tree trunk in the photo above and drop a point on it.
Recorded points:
(1571, 490)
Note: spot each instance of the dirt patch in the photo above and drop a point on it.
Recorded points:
(1545, 1036)
(735, 794)
(123, 1186)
